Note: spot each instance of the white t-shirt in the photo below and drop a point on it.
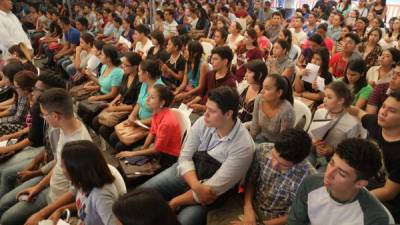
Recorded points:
(298, 37)
(170, 28)
(59, 184)
(373, 76)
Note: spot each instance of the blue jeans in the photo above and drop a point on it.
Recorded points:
(14, 212)
(9, 176)
(27, 153)
(169, 184)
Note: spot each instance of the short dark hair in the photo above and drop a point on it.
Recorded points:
(11, 68)
(83, 21)
(65, 20)
(88, 38)
(152, 67)
(396, 95)
(142, 29)
(98, 44)
(57, 100)
(362, 155)
(133, 58)
(341, 91)
(323, 26)
(317, 39)
(164, 93)
(293, 145)
(117, 19)
(395, 54)
(111, 52)
(259, 68)
(25, 79)
(354, 37)
(276, 13)
(159, 36)
(51, 81)
(144, 207)
(86, 165)
(227, 98)
(224, 52)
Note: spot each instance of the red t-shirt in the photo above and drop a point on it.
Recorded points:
(242, 59)
(338, 65)
(165, 127)
(212, 82)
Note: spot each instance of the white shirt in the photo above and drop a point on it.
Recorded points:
(298, 37)
(143, 49)
(170, 28)
(11, 32)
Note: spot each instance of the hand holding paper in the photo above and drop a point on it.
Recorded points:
(312, 74)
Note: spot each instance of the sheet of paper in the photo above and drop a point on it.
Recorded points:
(139, 123)
(320, 83)
(3, 143)
(185, 109)
(318, 129)
(123, 40)
(313, 73)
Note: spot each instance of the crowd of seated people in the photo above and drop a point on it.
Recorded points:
(243, 114)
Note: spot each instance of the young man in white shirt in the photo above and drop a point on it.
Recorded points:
(216, 156)
(170, 26)
(57, 109)
(298, 34)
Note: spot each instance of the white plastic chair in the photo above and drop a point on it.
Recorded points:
(184, 122)
(119, 181)
(301, 110)
(207, 48)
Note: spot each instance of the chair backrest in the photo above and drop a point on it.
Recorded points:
(301, 110)
(207, 48)
(184, 122)
(119, 181)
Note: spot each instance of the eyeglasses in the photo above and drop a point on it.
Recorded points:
(44, 115)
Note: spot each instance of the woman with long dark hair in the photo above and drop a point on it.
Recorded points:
(194, 78)
(308, 90)
(355, 78)
(256, 72)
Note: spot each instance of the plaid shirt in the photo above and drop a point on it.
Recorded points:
(274, 191)
(18, 112)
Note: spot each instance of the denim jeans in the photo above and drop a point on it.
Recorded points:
(27, 153)
(9, 176)
(14, 212)
(169, 184)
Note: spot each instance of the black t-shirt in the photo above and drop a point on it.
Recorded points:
(391, 150)
(36, 131)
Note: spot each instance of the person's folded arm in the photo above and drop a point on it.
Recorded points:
(233, 169)
(388, 192)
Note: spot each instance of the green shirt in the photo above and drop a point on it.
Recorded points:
(364, 93)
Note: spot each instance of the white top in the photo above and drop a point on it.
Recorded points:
(373, 76)
(170, 28)
(298, 37)
(11, 32)
(234, 43)
(143, 49)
